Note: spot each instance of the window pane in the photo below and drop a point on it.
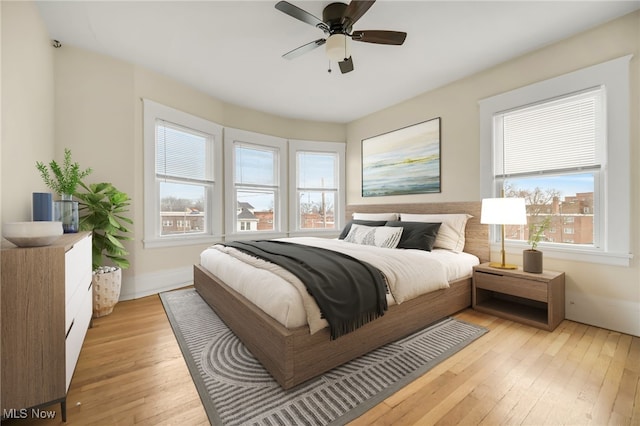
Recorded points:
(182, 208)
(180, 152)
(255, 166)
(317, 169)
(255, 210)
(566, 199)
(317, 209)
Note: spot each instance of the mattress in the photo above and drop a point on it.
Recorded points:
(409, 273)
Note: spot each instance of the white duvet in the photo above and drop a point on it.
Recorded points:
(409, 273)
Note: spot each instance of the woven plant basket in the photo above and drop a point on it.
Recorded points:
(106, 292)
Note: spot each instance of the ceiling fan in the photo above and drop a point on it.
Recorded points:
(337, 23)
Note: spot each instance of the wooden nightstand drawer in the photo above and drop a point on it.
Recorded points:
(532, 290)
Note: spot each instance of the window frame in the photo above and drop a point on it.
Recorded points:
(279, 145)
(337, 148)
(613, 178)
(152, 112)
(591, 167)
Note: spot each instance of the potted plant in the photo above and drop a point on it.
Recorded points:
(101, 212)
(64, 181)
(532, 258)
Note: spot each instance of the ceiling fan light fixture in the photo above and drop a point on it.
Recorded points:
(338, 47)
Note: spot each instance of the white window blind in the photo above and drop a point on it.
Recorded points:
(561, 135)
(181, 153)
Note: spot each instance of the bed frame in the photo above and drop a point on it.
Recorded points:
(293, 356)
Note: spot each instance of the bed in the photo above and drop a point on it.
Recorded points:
(294, 354)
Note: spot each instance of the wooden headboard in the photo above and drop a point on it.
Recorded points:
(476, 235)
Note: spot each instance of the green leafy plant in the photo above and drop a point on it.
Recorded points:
(65, 179)
(536, 231)
(101, 209)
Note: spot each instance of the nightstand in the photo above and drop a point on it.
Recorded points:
(533, 299)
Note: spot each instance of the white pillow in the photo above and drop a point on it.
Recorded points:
(451, 233)
(375, 216)
(379, 236)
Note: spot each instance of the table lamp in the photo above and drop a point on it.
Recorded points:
(503, 211)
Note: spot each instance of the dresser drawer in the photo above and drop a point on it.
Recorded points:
(76, 303)
(77, 267)
(75, 335)
(533, 290)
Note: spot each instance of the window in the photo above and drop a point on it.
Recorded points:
(190, 200)
(317, 169)
(183, 174)
(550, 154)
(316, 190)
(563, 144)
(254, 183)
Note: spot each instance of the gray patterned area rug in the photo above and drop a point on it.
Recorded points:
(237, 390)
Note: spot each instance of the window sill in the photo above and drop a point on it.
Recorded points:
(254, 235)
(332, 233)
(573, 254)
(178, 241)
(194, 240)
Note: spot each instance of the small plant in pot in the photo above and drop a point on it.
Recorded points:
(101, 212)
(63, 180)
(532, 258)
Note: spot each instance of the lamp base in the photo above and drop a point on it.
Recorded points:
(499, 265)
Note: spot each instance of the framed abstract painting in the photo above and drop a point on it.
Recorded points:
(404, 161)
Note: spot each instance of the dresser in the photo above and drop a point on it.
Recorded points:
(46, 310)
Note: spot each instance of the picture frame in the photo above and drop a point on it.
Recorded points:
(403, 161)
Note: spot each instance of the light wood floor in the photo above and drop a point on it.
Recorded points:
(131, 371)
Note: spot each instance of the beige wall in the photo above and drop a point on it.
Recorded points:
(99, 116)
(27, 107)
(607, 296)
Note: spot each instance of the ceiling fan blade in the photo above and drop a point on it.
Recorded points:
(346, 65)
(301, 15)
(304, 48)
(354, 11)
(380, 37)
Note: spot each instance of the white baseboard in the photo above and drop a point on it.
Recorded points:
(156, 282)
(612, 314)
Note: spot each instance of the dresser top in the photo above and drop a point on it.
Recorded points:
(66, 240)
(546, 275)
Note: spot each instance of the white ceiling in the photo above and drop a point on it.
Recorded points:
(232, 49)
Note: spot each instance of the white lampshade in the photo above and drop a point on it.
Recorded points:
(503, 211)
(338, 47)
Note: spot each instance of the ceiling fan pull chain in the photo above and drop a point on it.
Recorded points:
(345, 49)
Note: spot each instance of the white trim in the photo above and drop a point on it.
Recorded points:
(614, 76)
(179, 241)
(156, 282)
(231, 136)
(579, 254)
(603, 312)
(151, 112)
(338, 148)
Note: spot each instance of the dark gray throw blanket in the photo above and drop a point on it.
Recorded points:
(349, 292)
